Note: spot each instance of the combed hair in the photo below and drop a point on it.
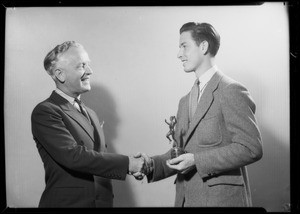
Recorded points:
(53, 56)
(203, 32)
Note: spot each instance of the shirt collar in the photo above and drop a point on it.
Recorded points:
(67, 97)
(204, 78)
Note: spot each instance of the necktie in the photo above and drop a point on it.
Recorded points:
(194, 98)
(82, 109)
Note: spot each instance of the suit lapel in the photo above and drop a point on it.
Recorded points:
(183, 120)
(70, 110)
(98, 129)
(203, 105)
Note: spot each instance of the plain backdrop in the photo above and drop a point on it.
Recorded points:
(137, 83)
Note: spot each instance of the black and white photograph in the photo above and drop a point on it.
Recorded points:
(147, 106)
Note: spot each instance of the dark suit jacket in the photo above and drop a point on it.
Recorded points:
(224, 138)
(77, 167)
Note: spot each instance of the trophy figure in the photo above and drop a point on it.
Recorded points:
(176, 149)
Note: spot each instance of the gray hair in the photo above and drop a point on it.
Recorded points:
(53, 56)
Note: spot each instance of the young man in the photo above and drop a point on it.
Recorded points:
(70, 139)
(216, 126)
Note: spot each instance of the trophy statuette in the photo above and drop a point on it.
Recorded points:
(176, 149)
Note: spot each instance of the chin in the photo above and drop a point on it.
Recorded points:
(86, 89)
(188, 70)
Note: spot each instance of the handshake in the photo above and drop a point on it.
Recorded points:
(140, 165)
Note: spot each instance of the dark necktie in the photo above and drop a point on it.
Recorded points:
(82, 109)
(194, 98)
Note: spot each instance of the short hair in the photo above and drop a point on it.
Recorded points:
(53, 56)
(203, 32)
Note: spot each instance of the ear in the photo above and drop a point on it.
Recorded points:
(204, 47)
(60, 75)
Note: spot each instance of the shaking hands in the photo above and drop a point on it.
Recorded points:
(140, 165)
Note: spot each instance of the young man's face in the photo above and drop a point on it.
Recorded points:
(75, 65)
(189, 53)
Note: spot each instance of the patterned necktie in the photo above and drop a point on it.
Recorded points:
(82, 109)
(194, 98)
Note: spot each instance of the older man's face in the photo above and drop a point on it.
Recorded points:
(75, 64)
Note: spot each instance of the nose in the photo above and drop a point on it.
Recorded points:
(179, 54)
(88, 70)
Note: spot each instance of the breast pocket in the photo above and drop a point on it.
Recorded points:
(209, 132)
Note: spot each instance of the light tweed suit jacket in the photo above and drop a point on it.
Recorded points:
(77, 168)
(224, 138)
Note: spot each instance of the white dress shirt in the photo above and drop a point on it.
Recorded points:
(204, 79)
(69, 98)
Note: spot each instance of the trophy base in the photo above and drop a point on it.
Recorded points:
(176, 151)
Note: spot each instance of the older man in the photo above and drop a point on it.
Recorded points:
(70, 139)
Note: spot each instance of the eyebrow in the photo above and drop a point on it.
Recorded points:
(86, 62)
(183, 43)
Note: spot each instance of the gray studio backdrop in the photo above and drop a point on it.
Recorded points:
(137, 83)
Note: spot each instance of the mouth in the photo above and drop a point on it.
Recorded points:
(85, 79)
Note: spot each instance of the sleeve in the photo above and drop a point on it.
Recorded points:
(238, 111)
(49, 130)
(161, 170)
